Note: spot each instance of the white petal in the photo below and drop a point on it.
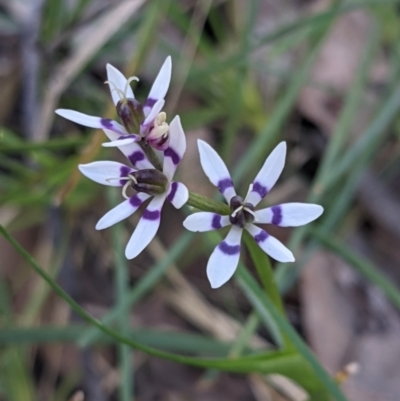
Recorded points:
(205, 221)
(92, 121)
(269, 244)
(146, 228)
(106, 172)
(118, 80)
(119, 142)
(176, 149)
(268, 175)
(178, 194)
(121, 211)
(153, 113)
(224, 259)
(161, 83)
(132, 151)
(289, 214)
(216, 170)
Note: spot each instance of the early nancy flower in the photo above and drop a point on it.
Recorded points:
(139, 122)
(147, 182)
(225, 257)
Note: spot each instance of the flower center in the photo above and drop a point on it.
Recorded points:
(150, 181)
(241, 212)
(131, 114)
(158, 134)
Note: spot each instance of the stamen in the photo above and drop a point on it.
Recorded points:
(252, 212)
(117, 178)
(129, 178)
(236, 211)
(161, 118)
(128, 81)
(121, 94)
(124, 188)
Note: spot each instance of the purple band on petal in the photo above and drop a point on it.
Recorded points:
(174, 187)
(260, 189)
(135, 157)
(216, 221)
(106, 123)
(169, 152)
(151, 214)
(123, 172)
(135, 201)
(261, 236)
(229, 249)
(224, 184)
(150, 102)
(277, 215)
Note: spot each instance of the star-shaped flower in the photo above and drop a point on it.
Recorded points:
(225, 257)
(139, 122)
(147, 182)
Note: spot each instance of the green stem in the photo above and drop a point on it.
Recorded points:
(151, 155)
(125, 355)
(266, 274)
(209, 205)
(273, 362)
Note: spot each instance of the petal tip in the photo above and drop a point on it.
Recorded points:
(215, 283)
(186, 223)
(290, 258)
(128, 254)
(99, 226)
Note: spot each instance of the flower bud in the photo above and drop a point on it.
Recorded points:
(150, 181)
(130, 111)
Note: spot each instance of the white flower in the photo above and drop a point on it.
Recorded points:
(225, 257)
(142, 177)
(140, 122)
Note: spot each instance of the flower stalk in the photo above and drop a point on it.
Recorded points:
(151, 155)
(207, 204)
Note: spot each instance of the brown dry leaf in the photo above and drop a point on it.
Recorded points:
(88, 44)
(9, 73)
(335, 67)
(327, 315)
(348, 320)
(78, 396)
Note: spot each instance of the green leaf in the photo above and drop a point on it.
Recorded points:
(271, 362)
(306, 377)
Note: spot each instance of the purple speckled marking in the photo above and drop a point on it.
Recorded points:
(151, 214)
(229, 249)
(169, 152)
(261, 236)
(135, 201)
(123, 172)
(150, 102)
(260, 189)
(216, 222)
(171, 195)
(224, 184)
(277, 215)
(135, 157)
(106, 123)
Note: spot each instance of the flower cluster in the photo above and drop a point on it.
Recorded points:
(150, 178)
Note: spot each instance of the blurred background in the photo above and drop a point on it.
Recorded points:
(322, 75)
